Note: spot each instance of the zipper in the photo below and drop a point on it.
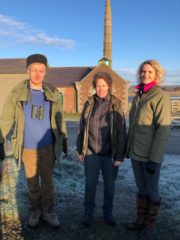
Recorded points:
(85, 141)
(134, 119)
(97, 135)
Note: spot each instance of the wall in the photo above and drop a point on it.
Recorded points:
(119, 88)
(7, 83)
(69, 99)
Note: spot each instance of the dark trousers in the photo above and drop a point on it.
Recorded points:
(39, 166)
(93, 165)
(147, 183)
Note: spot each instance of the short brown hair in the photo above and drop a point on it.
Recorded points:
(104, 75)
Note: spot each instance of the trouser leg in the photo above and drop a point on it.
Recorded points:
(92, 168)
(47, 160)
(30, 159)
(152, 184)
(46, 165)
(147, 184)
(109, 173)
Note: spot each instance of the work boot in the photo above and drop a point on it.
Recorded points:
(50, 217)
(141, 204)
(149, 231)
(109, 219)
(87, 220)
(34, 217)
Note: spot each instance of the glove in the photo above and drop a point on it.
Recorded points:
(2, 155)
(151, 167)
(65, 146)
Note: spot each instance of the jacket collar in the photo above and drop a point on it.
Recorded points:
(106, 99)
(143, 88)
(114, 102)
(49, 91)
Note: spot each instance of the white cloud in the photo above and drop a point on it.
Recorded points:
(4, 33)
(10, 22)
(14, 32)
(43, 39)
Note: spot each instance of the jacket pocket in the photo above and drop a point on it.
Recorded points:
(142, 144)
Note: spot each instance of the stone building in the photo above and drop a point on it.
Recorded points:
(74, 83)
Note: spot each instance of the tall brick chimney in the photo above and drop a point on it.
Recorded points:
(107, 52)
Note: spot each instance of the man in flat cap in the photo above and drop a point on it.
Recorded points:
(39, 136)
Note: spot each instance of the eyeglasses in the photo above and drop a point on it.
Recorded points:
(37, 112)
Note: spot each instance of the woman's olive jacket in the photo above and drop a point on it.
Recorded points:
(13, 117)
(117, 128)
(149, 126)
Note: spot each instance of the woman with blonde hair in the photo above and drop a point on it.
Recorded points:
(149, 128)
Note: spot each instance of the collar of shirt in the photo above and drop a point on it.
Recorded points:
(144, 88)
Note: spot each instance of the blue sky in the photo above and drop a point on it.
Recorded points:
(70, 33)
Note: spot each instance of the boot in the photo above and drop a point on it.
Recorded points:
(34, 217)
(149, 231)
(50, 217)
(109, 219)
(141, 204)
(88, 219)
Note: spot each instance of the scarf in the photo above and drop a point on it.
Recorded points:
(142, 88)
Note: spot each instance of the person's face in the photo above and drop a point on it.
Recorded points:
(101, 88)
(148, 74)
(37, 72)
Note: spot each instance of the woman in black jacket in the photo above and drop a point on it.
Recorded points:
(101, 145)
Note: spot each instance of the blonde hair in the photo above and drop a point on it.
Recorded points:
(156, 66)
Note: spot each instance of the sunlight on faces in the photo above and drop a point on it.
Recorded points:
(148, 74)
(37, 72)
(102, 88)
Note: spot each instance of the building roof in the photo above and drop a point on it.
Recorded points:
(66, 76)
(58, 76)
(12, 66)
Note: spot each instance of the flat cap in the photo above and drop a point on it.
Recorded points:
(36, 58)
